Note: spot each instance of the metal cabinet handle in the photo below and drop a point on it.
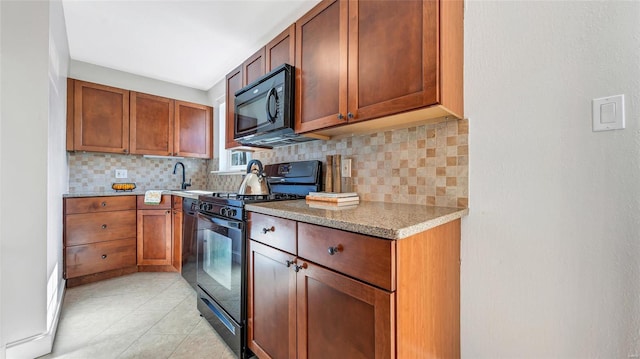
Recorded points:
(104, 204)
(297, 268)
(334, 250)
(350, 115)
(125, 150)
(104, 226)
(168, 212)
(265, 229)
(340, 116)
(289, 263)
(104, 256)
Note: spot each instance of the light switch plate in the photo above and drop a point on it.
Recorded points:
(346, 167)
(120, 173)
(608, 113)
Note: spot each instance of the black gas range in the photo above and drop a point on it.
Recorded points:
(222, 247)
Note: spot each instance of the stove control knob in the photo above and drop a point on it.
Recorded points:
(223, 211)
(232, 213)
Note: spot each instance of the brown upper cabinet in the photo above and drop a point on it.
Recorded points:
(278, 51)
(151, 124)
(100, 118)
(363, 60)
(282, 49)
(108, 119)
(253, 67)
(321, 67)
(193, 130)
(233, 84)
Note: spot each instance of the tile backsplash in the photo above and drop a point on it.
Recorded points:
(426, 164)
(95, 172)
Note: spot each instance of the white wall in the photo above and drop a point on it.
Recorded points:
(550, 249)
(106, 76)
(58, 173)
(32, 173)
(25, 46)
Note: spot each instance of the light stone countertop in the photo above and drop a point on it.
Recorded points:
(379, 219)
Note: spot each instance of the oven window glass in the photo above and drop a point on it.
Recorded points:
(217, 258)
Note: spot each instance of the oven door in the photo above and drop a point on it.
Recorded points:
(220, 266)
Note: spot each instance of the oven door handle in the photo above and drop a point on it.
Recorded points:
(222, 222)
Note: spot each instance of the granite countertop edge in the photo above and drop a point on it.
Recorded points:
(380, 230)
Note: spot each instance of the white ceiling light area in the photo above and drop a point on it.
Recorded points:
(190, 43)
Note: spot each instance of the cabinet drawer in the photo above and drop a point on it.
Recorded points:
(97, 227)
(366, 258)
(99, 204)
(273, 231)
(100, 257)
(165, 203)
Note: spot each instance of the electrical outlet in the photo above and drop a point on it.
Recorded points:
(121, 173)
(346, 168)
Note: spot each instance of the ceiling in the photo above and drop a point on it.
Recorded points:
(190, 43)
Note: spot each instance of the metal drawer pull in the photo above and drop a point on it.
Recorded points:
(104, 256)
(334, 250)
(297, 268)
(289, 263)
(265, 230)
(104, 226)
(104, 204)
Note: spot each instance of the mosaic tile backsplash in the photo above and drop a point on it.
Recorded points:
(222, 183)
(426, 164)
(95, 172)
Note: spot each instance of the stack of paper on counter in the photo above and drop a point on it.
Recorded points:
(332, 200)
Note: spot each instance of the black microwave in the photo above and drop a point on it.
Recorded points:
(264, 110)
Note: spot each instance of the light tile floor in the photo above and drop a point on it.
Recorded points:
(141, 315)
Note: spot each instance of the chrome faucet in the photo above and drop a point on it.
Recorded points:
(184, 184)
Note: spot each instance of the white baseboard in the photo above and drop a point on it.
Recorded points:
(37, 345)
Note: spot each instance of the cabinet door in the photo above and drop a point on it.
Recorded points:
(234, 83)
(253, 67)
(151, 124)
(271, 316)
(281, 50)
(339, 317)
(193, 130)
(393, 53)
(154, 237)
(101, 118)
(321, 67)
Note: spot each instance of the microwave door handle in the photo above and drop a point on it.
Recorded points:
(272, 94)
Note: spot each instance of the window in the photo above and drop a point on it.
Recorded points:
(230, 160)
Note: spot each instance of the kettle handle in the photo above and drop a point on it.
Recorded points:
(258, 163)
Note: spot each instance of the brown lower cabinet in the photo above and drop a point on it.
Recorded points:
(99, 238)
(154, 234)
(110, 236)
(404, 303)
